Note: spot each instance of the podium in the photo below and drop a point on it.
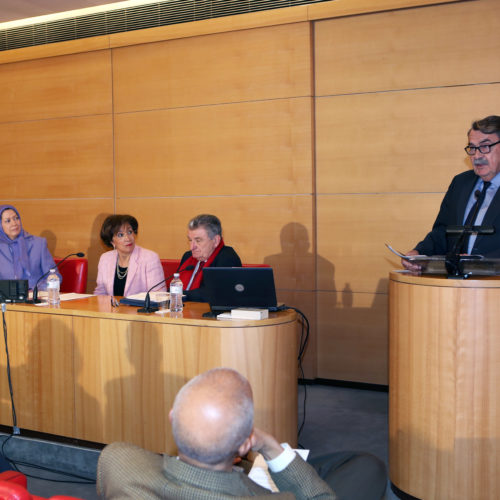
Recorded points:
(444, 387)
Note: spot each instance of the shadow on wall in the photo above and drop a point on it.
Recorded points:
(295, 267)
(349, 329)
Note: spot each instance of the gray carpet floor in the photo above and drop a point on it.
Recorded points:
(336, 419)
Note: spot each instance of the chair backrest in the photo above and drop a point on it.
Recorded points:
(255, 265)
(169, 268)
(74, 274)
(13, 491)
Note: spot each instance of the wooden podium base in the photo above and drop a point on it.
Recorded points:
(444, 387)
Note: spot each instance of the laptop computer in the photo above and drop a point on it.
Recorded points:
(231, 287)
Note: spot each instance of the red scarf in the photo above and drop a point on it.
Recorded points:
(185, 276)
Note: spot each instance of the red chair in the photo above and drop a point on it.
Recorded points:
(13, 487)
(74, 274)
(256, 265)
(169, 268)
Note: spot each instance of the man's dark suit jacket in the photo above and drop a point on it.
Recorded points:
(452, 213)
(227, 257)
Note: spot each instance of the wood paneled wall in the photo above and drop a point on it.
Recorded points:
(315, 141)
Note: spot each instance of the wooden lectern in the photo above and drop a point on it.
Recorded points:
(444, 387)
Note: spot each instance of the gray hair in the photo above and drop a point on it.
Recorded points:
(210, 223)
(233, 395)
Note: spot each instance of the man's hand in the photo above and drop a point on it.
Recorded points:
(412, 266)
(265, 444)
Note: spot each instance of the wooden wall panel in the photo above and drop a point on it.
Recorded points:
(352, 336)
(397, 141)
(69, 225)
(251, 224)
(353, 230)
(67, 157)
(408, 49)
(248, 148)
(265, 63)
(73, 85)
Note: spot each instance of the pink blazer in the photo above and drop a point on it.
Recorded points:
(144, 271)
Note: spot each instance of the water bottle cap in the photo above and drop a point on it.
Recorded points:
(176, 275)
(53, 270)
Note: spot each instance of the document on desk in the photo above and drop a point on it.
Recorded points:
(74, 296)
(42, 295)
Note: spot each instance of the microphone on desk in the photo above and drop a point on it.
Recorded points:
(35, 299)
(148, 308)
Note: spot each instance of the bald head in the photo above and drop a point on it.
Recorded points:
(212, 416)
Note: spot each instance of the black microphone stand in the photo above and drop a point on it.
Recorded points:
(148, 308)
(35, 299)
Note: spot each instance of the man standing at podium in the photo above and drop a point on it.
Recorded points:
(472, 198)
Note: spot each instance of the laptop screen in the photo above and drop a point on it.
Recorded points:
(231, 287)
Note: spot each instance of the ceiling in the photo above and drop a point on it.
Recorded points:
(13, 10)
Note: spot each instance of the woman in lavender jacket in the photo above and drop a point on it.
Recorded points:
(22, 255)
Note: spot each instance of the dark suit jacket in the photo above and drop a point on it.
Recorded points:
(227, 257)
(126, 471)
(452, 213)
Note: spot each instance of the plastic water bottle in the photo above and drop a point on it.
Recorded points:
(176, 294)
(53, 286)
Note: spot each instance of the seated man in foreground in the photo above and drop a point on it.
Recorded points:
(207, 249)
(212, 424)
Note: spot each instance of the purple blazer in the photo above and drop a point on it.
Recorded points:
(144, 271)
(40, 260)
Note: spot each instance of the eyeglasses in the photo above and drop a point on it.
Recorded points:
(483, 149)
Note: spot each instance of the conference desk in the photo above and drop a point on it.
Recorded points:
(89, 371)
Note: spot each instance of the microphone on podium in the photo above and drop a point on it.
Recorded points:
(148, 308)
(35, 299)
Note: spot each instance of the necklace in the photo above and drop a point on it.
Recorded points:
(120, 274)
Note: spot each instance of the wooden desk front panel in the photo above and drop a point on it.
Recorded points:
(108, 378)
(42, 371)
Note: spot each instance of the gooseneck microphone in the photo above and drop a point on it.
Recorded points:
(148, 308)
(35, 299)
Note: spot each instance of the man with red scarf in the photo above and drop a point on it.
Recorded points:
(207, 249)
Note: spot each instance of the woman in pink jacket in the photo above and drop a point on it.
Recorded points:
(128, 268)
